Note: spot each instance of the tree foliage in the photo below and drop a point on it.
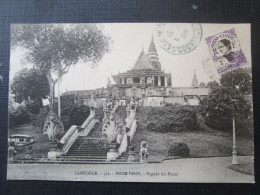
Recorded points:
(202, 84)
(54, 48)
(30, 85)
(73, 114)
(18, 116)
(238, 77)
(212, 84)
(217, 108)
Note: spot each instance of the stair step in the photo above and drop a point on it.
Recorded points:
(85, 157)
(95, 160)
(91, 151)
(99, 151)
(89, 146)
(86, 154)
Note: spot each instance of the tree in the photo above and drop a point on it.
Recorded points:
(217, 108)
(202, 84)
(212, 84)
(30, 85)
(237, 78)
(54, 48)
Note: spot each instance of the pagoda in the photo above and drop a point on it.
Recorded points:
(145, 79)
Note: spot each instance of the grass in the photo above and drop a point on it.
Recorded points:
(201, 143)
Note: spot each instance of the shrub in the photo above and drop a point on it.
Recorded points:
(38, 120)
(179, 149)
(34, 107)
(171, 119)
(18, 116)
(71, 113)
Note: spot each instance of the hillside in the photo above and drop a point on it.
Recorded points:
(202, 141)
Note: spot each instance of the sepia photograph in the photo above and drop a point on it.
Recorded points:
(131, 102)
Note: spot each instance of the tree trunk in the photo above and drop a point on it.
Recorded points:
(59, 108)
(51, 98)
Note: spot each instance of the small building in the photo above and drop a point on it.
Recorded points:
(20, 139)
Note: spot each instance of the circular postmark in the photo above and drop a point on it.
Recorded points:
(178, 38)
(210, 67)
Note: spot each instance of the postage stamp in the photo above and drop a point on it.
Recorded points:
(178, 38)
(225, 51)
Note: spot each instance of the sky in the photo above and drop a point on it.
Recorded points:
(128, 40)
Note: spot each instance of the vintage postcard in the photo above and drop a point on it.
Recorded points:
(131, 102)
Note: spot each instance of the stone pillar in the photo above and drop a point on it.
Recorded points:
(55, 151)
(129, 81)
(159, 81)
(92, 109)
(123, 81)
(165, 81)
(112, 154)
(28, 152)
(142, 80)
(128, 111)
(105, 110)
(131, 154)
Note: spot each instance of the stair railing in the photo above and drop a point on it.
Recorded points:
(131, 121)
(69, 138)
(73, 133)
(87, 121)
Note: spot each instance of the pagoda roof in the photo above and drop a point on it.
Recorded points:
(142, 62)
(147, 72)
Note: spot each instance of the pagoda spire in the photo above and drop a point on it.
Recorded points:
(152, 48)
(153, 56)
(194, 82)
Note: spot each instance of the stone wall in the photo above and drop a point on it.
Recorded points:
(175, 100)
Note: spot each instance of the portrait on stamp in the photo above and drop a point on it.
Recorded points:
(226, 51)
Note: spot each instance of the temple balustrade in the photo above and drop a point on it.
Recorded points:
(75, 131)
(130, 124)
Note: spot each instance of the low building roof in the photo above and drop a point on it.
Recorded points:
(20, 135)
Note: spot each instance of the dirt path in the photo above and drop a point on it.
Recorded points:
(181, 170)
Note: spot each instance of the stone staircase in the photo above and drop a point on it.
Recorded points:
(90, 150)
(91, 145)
(87, 150)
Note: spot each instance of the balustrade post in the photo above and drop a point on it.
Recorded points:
(131, 154)
(113, 153)
(128, 111)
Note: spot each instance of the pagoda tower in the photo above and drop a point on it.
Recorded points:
(153, 56)
(145, 78)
